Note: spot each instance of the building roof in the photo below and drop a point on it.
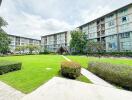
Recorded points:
(24, 37)
(130, 4)
(54, 33)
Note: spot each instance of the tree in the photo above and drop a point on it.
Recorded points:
(62, 50)
(23, 48)
(78, 42)
(95, 47)
(32, 48)
(0, 2)
(2, 22)
(18, 48)
(4, 40)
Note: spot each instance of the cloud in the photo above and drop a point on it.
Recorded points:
(35, 26)
(89, 15)
(31, 25)
(34, 18)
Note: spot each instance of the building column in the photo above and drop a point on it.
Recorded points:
(118, 37)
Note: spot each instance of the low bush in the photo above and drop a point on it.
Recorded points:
(6, 66)
(70, 69)
(43, 53)
(120, 75)
(115, 54)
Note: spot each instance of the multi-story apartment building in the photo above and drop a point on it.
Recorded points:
(114, 29)
(21, 41)
(54, 41)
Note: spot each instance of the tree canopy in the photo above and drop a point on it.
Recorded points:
(4, 40)
(2, 22)
(78, 42)
(0, 2)
(4, 43)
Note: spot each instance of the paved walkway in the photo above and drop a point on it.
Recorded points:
(93, 78)
(9, 93)
(65, 89)
(66, 58)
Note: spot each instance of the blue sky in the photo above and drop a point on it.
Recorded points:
(34, 18)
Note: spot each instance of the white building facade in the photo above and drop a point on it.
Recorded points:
(54, 41)
(21, 41)
(114, 29)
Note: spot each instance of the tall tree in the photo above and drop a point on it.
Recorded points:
(4, 43)
(78, 42)
(4, 40)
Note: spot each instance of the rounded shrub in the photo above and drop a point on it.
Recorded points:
(117, 74)
(70, 69)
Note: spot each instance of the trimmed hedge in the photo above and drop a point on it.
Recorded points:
(117, 74)
(116, 54)
(6, 66)
(70, 69)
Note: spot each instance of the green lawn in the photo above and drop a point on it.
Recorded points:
(83, 79)
(83, 60)
(35, 71)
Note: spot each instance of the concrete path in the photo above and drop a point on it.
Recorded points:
(66, 58)
(9, 93)
(65, 89)
(93, 78)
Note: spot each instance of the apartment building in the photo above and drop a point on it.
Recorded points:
(54, 41)
(21, 41)
(114, 29)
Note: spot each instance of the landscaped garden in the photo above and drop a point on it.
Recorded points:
(117, 71)
(35, 71)
(83, 60)
(38, 69)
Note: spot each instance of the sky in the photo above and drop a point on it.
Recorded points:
(35, 18)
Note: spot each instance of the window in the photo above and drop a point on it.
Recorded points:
(124, 19)
(125, 35)
(126, 46)
(111, 23)
(111, 15)
(112, 45)
(124, 10)
(111, 37)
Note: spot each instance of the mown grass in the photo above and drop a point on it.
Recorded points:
(36, 70)
(83, 60)
(82, 78)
